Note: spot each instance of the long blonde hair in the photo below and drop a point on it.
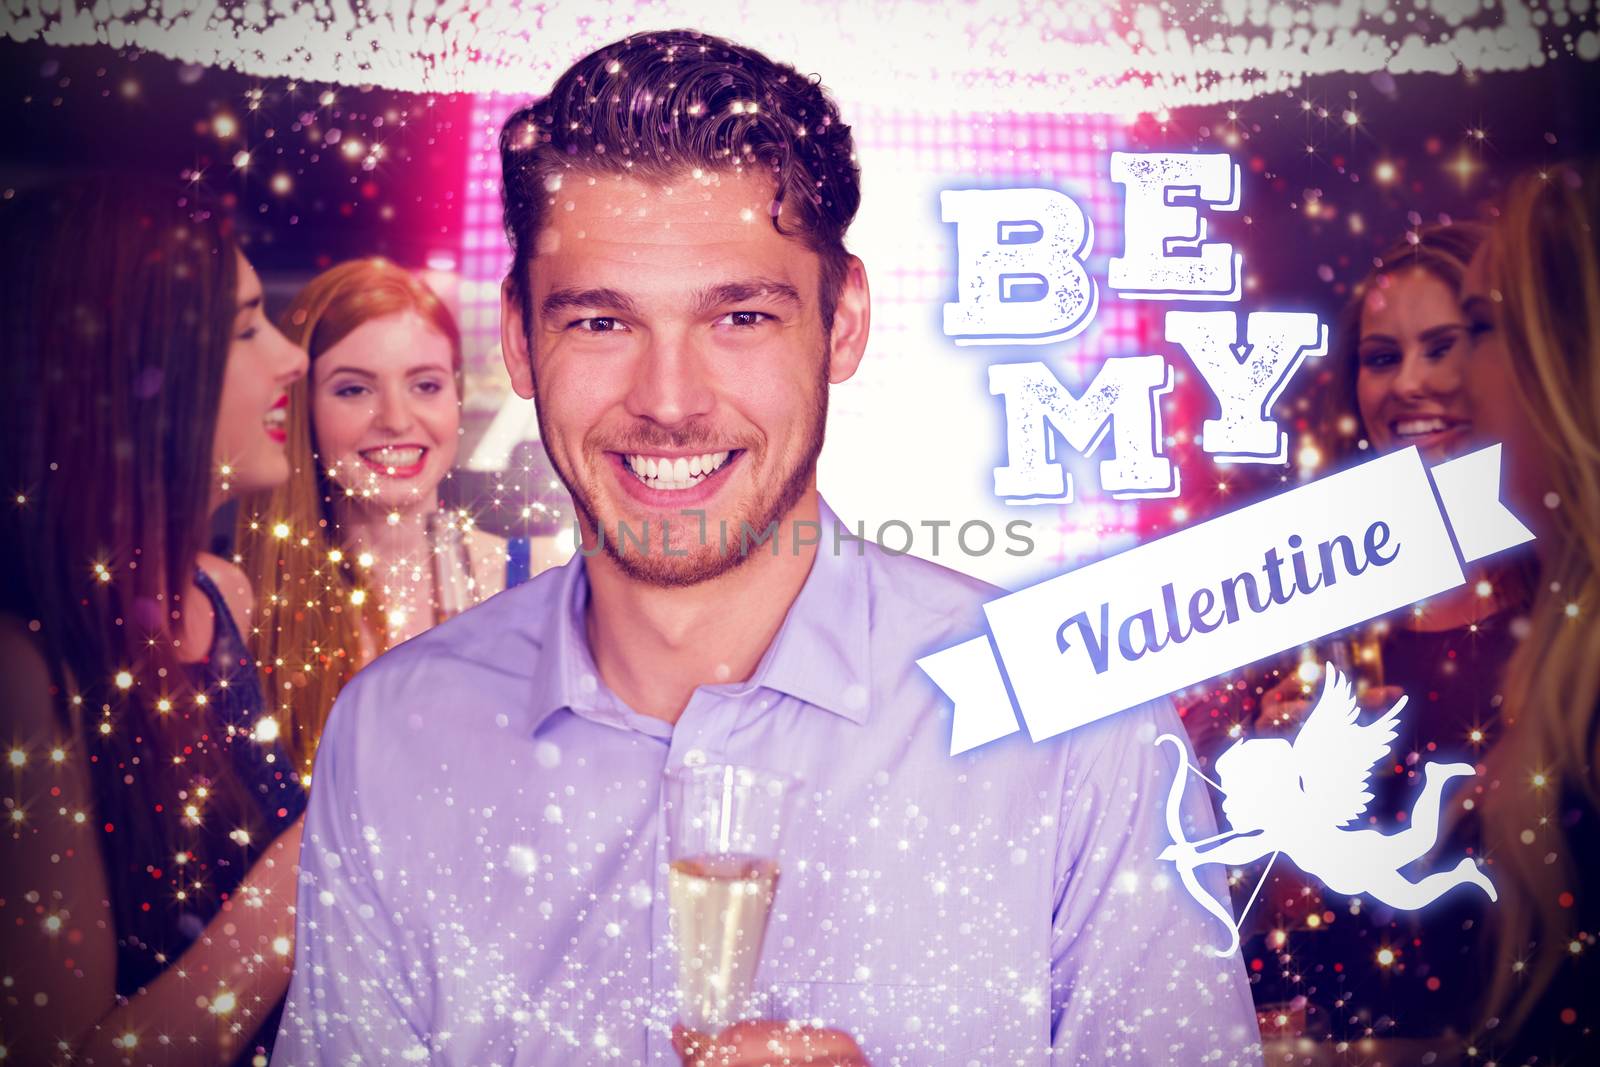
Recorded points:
(311, 600)
(1544, 259)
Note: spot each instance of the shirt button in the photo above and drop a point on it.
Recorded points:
(694, 758)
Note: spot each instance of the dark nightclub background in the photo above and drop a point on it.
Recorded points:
(320, 173)
(1335, 170)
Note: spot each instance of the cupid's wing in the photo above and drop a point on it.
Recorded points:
(1335, 754)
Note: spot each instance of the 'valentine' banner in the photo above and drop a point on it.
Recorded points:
(1206, 600)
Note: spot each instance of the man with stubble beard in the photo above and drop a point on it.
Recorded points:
(485, 868)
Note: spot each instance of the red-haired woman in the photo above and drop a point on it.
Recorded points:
(353, 555)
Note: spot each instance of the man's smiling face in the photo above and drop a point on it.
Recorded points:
(679, 361)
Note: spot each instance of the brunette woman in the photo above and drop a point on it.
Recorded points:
(148, 880)
(1399, 377)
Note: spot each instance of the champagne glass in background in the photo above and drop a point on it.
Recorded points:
(1366, 653)
(723, 826)
(1358, 655)
(452, 569)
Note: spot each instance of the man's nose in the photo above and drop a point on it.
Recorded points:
(671, 382)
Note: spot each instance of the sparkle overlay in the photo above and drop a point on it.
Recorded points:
(508, 852)
(1087, 55)
(1342, 150)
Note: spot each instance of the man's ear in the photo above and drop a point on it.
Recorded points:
(852, 319)
(514, 342)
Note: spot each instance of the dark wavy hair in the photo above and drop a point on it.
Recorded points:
(117, 303)
(659, 104)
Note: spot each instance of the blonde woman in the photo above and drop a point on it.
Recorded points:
(346, 554)
(1532, 302)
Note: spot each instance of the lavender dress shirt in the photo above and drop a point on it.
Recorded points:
(484, 876)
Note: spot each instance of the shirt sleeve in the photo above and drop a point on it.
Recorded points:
(360, 992)
(1133, 975)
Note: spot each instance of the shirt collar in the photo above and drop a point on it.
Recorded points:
(821, 653)
(565, 675)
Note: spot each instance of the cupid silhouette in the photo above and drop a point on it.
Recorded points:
(1296, 798)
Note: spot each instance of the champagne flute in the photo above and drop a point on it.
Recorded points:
(723, 826)
(452, 568)
(1358, 655)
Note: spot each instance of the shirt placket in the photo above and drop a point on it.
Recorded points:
(700, 736)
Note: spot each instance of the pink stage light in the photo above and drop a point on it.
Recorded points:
(912, 280)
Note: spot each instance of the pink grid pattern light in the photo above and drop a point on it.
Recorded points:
(1070, 153)
(485, 255)
(1066, 152)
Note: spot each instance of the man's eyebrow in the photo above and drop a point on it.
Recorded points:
(586, 299)
(716, 296)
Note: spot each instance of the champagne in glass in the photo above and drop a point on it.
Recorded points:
(452, 568)
(720, 906)
(723, 825)
(1359, 657)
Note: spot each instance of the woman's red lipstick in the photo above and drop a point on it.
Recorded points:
(277, 420)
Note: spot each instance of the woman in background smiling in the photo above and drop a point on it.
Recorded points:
(345, 552)
(1395, 981)
(1400, 371)
(148, 880)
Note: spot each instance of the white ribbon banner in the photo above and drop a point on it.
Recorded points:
(1203, 601)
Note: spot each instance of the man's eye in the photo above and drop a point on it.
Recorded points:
(598, 324)
(744, 319)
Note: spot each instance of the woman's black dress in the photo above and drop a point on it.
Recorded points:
(160, 904)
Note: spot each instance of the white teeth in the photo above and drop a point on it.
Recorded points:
(394, 457)
(1416, 427)
(277, 417)
(661, 472)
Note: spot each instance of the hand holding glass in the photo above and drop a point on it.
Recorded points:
(723, 826)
